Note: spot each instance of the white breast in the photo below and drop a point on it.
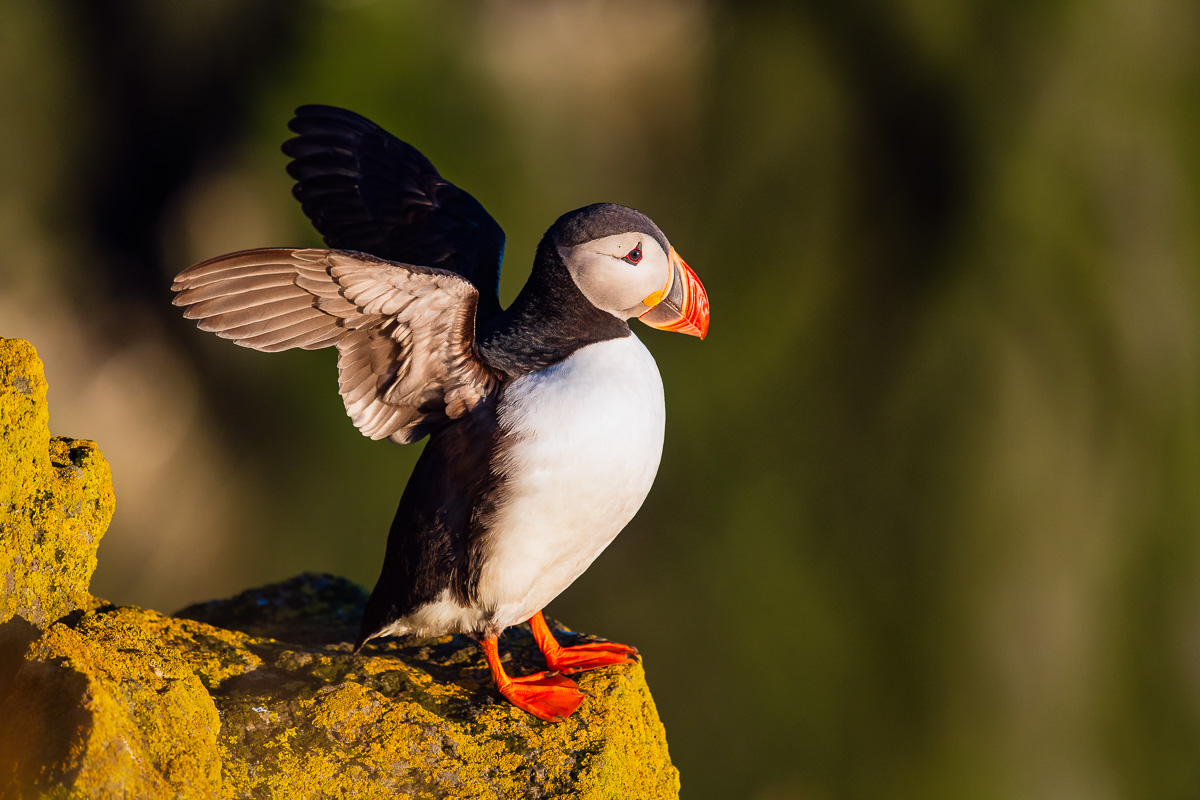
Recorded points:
(585, 438)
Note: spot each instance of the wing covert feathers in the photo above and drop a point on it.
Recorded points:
(405, 335)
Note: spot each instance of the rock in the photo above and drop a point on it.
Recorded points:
(106, 705)
(56, 499)
(259, 695)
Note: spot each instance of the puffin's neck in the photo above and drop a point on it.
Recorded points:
(549, 320)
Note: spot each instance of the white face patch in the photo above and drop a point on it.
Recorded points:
(603, 271)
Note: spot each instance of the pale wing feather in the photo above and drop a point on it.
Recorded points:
(405, 335)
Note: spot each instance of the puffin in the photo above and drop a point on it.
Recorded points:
(545, 419)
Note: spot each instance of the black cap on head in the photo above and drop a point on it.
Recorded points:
(602, 219)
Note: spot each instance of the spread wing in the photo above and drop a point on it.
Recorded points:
(405, 335)
(366, 190)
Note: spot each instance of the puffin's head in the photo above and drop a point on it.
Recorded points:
(624, 265)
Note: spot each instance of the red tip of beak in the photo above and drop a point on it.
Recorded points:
(695, 309)
(685, 307)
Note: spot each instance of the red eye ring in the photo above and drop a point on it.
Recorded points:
(633, 256)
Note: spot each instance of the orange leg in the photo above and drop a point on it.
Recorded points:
(581, 656)
(546, 695)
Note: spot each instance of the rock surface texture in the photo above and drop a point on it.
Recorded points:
(56, 499)
(258, 695)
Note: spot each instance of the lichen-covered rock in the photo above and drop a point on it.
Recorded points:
(416, 717)
(102, 706)
(259, 695)
(125, 702)
(56, 499)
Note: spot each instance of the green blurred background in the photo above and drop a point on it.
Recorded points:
(928, 520)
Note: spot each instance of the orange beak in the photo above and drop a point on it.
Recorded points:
(681, 305)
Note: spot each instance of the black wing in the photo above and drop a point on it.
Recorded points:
(366, 190)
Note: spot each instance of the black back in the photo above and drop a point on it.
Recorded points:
(366, 190)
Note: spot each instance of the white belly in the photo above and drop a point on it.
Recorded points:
(585, 441)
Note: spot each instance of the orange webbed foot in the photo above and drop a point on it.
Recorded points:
(546, 695)
(589, 656)
(580, 657)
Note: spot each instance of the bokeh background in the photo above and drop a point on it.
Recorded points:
(928, 519)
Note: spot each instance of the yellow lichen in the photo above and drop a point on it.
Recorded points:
(140, 722)
(56, 499)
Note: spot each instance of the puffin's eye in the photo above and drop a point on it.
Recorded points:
(634, 255)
